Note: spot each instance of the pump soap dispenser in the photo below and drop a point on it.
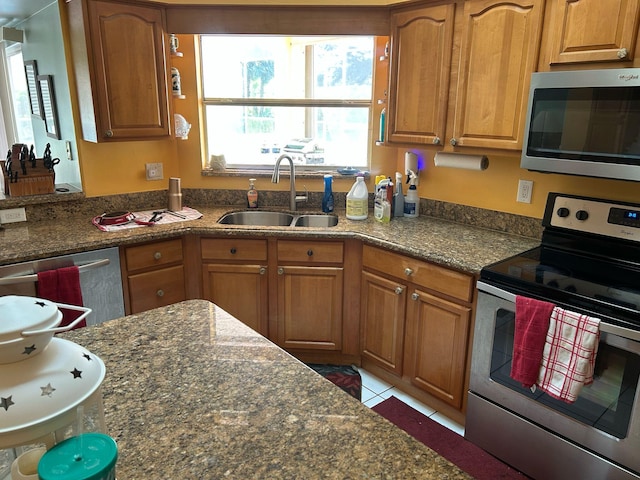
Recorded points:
(252, 194)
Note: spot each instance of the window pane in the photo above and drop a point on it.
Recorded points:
(19, 95)
(270, 95)
(316, 136)
(287, 67)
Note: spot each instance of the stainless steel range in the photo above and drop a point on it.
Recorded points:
(588, 262)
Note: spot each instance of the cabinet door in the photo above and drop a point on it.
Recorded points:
(422, 41)
(500, 44)
(382, 323)
(436, 346)
(241, 290)
(121, 74)
(310, 307)
(594, 30)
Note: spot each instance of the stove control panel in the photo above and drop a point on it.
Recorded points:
(591, 215)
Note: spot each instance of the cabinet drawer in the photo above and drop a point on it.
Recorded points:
(311, 252)
(425, 274)
(156, 288)
(153, 255)
(234, 249)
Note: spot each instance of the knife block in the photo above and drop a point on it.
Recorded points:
(37, 181)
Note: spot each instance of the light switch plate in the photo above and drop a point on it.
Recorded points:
(154, 171)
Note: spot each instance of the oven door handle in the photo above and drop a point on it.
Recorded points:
(604, 327)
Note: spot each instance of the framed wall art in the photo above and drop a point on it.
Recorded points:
(49, 112)
(31, 72)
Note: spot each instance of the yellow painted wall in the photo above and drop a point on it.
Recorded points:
(120, 167)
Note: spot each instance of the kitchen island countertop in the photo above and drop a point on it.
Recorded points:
(192, 393)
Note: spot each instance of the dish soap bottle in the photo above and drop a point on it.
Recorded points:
(252, 194)
(411, 200)
(327, 199)
(358, 200)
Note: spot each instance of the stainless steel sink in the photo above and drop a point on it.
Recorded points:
(316, 221)
(266, 218)
(257, 218)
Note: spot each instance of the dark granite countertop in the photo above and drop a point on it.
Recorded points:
(463, 247)
(192, 393)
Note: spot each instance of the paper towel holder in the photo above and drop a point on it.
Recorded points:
(461, 160)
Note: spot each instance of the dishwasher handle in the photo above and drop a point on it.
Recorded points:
(34, 277)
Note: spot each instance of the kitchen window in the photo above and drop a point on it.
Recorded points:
(309, 97)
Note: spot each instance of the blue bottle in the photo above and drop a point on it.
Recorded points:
(327, 199)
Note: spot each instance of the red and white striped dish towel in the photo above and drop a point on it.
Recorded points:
(569, 354)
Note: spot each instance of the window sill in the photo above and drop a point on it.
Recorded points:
(266, 173)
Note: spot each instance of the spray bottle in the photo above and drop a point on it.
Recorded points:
(411, 200)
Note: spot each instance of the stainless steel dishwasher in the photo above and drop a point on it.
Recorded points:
(100, 280)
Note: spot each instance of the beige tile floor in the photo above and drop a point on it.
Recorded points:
(375, 390)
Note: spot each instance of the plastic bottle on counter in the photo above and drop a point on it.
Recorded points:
(411, 200)
(398, 197)
(327, 199)
(358, 200)
(381, 207)
(252, 194)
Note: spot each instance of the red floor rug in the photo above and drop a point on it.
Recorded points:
(468, 457)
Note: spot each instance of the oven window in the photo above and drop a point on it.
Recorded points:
(605, 404)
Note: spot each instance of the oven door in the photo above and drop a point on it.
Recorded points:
(604, 419)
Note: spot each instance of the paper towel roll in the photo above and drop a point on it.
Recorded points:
(459, 160)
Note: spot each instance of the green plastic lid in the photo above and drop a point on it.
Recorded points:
(91, 456)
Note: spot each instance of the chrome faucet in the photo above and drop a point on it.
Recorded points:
(275, 178)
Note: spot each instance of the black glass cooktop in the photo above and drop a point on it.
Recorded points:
(591, 284)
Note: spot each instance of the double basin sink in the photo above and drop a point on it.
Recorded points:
(264, 218)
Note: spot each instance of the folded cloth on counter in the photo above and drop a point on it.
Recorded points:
(569, 354)
(183, 215)
(531, 326)
(63, 286)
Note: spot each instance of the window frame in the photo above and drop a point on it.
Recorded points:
(288, 102)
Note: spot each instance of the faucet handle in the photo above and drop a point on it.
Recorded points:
(303, 198)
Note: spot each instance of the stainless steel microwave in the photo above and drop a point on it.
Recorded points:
(584, 122)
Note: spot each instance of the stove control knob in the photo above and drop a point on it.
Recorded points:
(582, 215)
(563, 212)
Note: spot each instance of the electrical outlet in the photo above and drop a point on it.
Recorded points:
(68, 147)
(154, 171)
(525, 188)
(13, 215)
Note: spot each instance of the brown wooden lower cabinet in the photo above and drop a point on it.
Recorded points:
(154, 275)
(234, 275)
(415, 322)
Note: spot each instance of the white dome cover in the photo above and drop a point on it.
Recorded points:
(40, 395)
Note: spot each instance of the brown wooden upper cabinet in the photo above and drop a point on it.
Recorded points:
(478, 101)
(583, 31)
(120, 66)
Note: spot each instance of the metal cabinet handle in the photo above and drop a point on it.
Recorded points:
(408, 272)
(157, 255)
(399, 290)
(280, 271)
(437, 140)
(262, 270)
(415, 296)
(160, 293)
(453, 142)
(233, 250)
(108, 133)
(309, 253)
(622, 53)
